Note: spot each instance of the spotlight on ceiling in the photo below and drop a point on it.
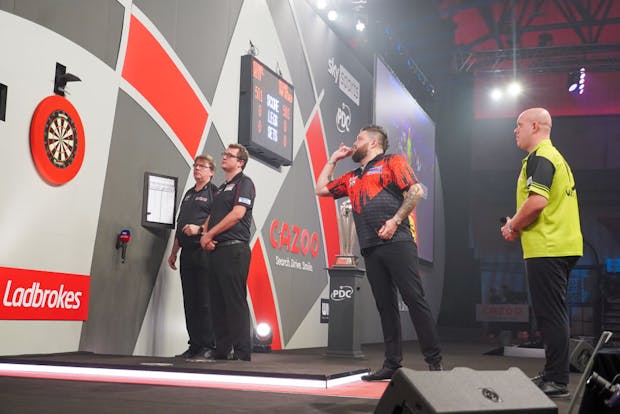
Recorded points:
(360, 26)
(576, 81)
(582, 80)
(496, 94)
(332, 15)
(573, 81)
(321, 4)
(515, 88)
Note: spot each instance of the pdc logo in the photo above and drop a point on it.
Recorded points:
(342, 293)
(343, 118)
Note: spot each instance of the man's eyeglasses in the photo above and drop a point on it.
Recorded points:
(229, 155)
(202, 167)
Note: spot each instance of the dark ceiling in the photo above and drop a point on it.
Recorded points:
(542, 36)
(435, 39)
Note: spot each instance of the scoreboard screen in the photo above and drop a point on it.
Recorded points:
(265, 113)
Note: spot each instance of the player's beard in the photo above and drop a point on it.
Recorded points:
(360, 153)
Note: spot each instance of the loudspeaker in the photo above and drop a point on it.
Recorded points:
(463, 390)
(580, 352)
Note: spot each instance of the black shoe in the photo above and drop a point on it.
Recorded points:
(202, 356)
(538, 380)
(188, 353)
(379, 375)
(223, 357)
(436, 366)
(241, 357)
(553, 389)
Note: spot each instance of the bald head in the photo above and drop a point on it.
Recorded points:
(539, 115)
(533, 125)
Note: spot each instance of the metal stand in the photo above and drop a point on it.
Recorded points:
(586, 372)
(343, 331)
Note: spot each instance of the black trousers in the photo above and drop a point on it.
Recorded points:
(228, 275)
(548, 283)
(395, 266)
(196, 297)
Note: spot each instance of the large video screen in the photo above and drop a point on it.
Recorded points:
(411, 133)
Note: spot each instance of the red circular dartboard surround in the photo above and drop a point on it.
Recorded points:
(57, 141)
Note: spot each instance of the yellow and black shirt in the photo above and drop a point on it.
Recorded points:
(557, 231)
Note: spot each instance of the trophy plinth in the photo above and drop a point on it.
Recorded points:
(343, 260)
(343, 337)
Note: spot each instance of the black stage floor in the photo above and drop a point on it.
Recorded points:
(97, 395)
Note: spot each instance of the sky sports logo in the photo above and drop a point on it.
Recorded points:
(346, 82)
(38, 295)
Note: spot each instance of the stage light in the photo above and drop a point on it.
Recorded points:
(321, 4)
(332, 15)
(573, 81)
(360, 26)
(576, 81)
(263, 336)
(515, 88)
(496, 94)
(582, 80)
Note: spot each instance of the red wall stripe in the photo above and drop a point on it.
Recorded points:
(150, 70)
(261, 294)
(318, 157)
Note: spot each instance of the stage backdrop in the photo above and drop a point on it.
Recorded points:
(159, 85)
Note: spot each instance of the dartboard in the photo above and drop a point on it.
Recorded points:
(61, 139)
(57, 140)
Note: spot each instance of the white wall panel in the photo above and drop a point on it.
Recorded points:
(45, 227)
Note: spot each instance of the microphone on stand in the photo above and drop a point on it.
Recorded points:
(611, 390)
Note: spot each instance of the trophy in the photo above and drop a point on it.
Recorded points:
(346, 226)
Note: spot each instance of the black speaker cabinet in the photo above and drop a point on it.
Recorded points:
(463, 390)
(580, 353)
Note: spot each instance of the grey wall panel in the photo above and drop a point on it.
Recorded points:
(299, 276)
(96, 25)
(199, 31)
(120, 292)
(346, 85)
(215, 147)
(293, 50)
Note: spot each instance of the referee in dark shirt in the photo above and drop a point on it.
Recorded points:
(227, 237)
(195, 208)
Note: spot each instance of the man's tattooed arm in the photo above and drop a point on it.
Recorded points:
(412, 197)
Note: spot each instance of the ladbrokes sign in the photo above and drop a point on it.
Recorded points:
(34, 294)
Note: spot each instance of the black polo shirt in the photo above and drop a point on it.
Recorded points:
(376, 193)
(239, 191)
(195, 208)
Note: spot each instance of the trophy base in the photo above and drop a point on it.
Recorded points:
(345, 261)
